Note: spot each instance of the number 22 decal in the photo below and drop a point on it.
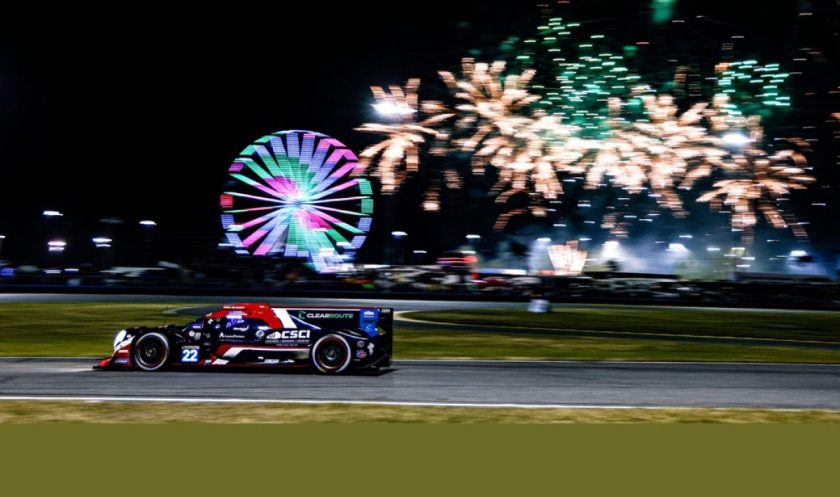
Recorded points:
(189, 355)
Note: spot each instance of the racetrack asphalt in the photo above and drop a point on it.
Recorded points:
(537, 383)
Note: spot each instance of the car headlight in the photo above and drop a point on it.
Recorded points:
(119, 338)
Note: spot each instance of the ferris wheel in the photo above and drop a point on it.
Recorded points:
(297, 194)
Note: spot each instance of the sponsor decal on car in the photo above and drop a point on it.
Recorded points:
(231, 336)
(285, 335)
(325, 315)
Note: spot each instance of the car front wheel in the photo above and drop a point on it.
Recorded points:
(151, 351)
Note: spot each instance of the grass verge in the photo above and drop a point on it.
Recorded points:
(431, 343)
(787, 325)
(156, 412)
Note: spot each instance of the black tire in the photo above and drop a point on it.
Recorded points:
(151, 351)
(331, 354)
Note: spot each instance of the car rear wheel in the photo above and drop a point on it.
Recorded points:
(151, 351)
(331, 354)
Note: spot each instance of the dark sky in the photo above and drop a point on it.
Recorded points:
(139, 116)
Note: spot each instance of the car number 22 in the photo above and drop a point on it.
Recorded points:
(189, 355)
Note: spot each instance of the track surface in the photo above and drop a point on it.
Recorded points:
(467, 382)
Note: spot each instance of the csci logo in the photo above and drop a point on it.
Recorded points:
(289, 335)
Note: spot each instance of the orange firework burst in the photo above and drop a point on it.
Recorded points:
(758, 193)
(656, 153)
(399, 152)
(492, 110)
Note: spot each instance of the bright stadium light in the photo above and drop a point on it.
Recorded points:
(56, 245)
(611, 250)
(100, 240)
(50, 213)
(393, 110)
(147, 222)
(736, 139)
(473, 237)
(398, 234)
(677, 248)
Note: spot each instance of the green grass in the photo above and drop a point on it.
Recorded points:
(158, 412)
(431, 343)
(73, 329)
(58, 329)
(790, 325)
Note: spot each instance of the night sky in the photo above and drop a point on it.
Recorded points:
(139, 117)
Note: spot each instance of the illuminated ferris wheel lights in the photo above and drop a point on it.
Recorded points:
(278, 190)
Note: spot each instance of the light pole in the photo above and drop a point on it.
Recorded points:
(473, 241)
(398, 237)
(53, 244)
(56, 246)
(417, 256)
(148, 226)
(103, 244)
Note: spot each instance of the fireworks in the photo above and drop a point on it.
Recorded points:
(655, 153)
(525, 146)
(399, 151)
(756, 87)
(757, 190)
(491, 109)
(532, 157)
(592, 119)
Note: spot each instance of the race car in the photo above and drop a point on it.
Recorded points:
(330, 340)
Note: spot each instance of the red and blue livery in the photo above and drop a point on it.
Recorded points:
(329, 339)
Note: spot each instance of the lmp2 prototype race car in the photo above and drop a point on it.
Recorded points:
(331, 340)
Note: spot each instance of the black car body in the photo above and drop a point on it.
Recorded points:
(331, 340)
